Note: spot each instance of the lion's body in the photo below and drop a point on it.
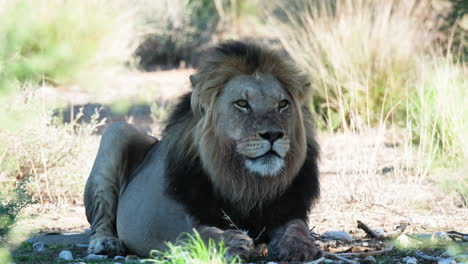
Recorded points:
(252, 159)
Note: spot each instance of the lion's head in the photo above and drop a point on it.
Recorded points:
(249, 129)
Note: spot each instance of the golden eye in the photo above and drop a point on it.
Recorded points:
(242, 104)
(283, 104)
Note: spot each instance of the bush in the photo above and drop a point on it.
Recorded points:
(51, 40)
(438, 112)
(57, 156)
(177, 30)
(10, 209)
(373, 64)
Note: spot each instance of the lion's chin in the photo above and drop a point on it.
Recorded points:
(268, 165)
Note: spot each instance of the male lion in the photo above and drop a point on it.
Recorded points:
(239, 150)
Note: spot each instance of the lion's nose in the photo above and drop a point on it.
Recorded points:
(272, 136)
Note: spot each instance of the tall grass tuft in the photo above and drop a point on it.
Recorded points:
(375, 64)
(52, 40)
(360, 56)
(193, 250)
(438, 112)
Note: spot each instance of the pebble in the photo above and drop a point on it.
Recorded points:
(447, 261)
(132, 258)
(338, 235)
(410, 260)
(66, 255)
(271, 262)
(441, 237)
(38, 246)
(95, 257)
(461, 258)
(119, 258)
(82, 245)
(369, 260)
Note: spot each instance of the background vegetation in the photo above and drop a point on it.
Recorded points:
(396, 67)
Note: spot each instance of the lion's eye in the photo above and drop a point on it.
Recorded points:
(283, 104)
(243, 104)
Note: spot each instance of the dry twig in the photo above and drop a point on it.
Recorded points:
(367, 253)
(338, 257)
(419, 254)
(386, 235)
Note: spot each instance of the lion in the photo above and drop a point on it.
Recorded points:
(237, 161)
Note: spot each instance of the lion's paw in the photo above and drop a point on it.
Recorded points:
(110, 246)
(294, 247)
(238, 243)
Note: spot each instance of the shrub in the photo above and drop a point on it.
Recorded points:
(176, 31)
(10, 209)
(51, 40)
(360, 56)
(376, 64)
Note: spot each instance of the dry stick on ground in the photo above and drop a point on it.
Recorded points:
(338, 257)
(419, 254)
(366, 254)
(317, 261)
(455, 235)
(344, 256)
(386, 235)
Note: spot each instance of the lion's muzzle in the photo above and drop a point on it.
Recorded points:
(264, 153)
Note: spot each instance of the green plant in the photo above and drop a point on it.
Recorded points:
(9, 209)
(193, 250)
(438, 112)
(360, 56)
(176, 31)
(52, 40)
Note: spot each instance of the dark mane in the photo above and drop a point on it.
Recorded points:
(189, 184)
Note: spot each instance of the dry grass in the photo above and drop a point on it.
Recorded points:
(55, 157)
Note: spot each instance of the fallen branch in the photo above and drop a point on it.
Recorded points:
(317, 261)
(419, 254)
(380, 236)
(366, 254)
(457, 235)
(338, 257)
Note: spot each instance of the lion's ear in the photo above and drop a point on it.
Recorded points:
(305, 92)
(194, 79)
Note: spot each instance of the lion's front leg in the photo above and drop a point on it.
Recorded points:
(238, 243)
(292, 242)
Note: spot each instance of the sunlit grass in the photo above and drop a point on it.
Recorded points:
(193, 250)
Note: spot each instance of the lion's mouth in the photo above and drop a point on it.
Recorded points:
(269, 154)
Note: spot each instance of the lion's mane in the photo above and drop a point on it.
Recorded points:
(200, 169)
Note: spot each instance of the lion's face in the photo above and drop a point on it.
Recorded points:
(256, 114)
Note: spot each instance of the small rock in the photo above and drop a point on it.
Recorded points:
(328, 261)
(410, 260)
(82, 245)
(447, 261)
(365, 244)
(78, 263)
(441, 237)
(66, 255)
(95, 257)
(119, 258)
(428, 224)
(368, 260)
(338, 235)
(271, 262)
(461, 258)
(38, 246)
(132, 258)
